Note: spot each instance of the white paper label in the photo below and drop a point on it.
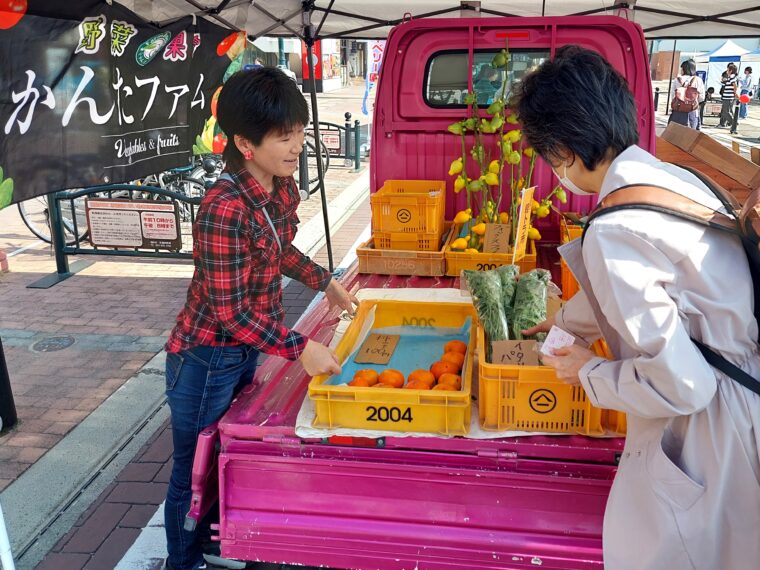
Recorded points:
(557, 338)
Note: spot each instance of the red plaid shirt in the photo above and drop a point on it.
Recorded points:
(235, 296)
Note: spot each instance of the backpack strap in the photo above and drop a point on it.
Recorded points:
(665, 201)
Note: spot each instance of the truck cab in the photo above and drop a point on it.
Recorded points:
(431, 64)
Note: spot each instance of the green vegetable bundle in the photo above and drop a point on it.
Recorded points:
(530, 301)
(508, 276)
(485, 287)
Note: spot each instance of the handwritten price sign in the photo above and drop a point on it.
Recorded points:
(514, 352)
(523, 224)
(377, 349)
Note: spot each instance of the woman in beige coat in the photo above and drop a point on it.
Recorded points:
(687, 493)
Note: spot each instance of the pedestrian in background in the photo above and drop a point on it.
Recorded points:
(745, 88)
(688, 85)
(728, 95)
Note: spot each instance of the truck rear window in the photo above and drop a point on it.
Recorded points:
(446, 76)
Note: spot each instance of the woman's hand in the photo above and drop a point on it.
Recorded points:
(338, 296)
(540, 328)
(568, 361)
(318, 359)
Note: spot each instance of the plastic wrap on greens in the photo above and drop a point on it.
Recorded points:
(530, 301)
(485, 287)
(508, 276)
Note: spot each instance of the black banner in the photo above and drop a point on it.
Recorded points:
(92, 94)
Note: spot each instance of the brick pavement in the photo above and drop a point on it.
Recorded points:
(108, 528)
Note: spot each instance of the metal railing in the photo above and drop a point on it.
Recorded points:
(186, 206)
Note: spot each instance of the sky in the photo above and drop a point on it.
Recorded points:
(699, 46)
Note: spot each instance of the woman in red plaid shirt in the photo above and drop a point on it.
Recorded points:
(243, 245)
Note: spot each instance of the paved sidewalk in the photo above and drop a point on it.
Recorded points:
(123, 528)
(71, 346)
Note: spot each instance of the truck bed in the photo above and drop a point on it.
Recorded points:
(395, 502)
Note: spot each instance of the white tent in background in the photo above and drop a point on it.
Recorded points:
(718, 59)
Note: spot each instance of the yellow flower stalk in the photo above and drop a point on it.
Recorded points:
(456, 167)
(513, 136)
(462, 218)
(459, 243)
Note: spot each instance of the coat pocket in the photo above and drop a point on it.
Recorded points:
(669, 481)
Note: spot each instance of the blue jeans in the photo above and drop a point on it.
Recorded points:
(200, 385)
(743, 106)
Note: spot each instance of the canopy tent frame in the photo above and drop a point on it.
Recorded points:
(378, 23)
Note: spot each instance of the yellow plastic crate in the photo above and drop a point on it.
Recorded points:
(531, 398)
(406, 242)
(615, 421)
(390, 262)
(398, 409)
(456, 261)
(568, 232)
(409, 206)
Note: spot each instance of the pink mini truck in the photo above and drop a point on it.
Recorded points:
(418, 502)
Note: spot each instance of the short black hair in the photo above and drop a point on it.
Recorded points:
(576, 102)
(256, 102)
(748, 69)
(689, 67)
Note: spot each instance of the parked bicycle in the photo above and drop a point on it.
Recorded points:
(192, 180)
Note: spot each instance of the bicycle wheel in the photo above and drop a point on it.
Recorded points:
(311, 153)
(36, 216)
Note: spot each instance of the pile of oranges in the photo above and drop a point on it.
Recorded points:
(445, 374)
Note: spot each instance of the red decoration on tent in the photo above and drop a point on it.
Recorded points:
(11, 11)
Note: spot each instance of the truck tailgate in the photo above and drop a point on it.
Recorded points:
(392, 503)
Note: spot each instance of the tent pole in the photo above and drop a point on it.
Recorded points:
(670, 81)
(317, 141)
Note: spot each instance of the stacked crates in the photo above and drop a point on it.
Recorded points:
(407, 229)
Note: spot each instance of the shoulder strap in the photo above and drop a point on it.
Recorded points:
(665, 201)
(728, 368)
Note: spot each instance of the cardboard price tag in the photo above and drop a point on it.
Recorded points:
(514, 352)
(523, 224)
(496, 238)
(377, 349)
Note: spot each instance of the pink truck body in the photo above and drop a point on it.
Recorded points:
(419, 502)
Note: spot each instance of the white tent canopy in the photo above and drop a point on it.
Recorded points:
(750, 58)
(714, 62)
(374, 18)
(728, 51)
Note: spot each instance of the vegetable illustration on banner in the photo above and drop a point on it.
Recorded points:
(97, 95)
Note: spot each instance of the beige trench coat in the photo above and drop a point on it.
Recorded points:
(687, 492)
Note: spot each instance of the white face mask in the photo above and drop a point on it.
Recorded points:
(569, 184)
